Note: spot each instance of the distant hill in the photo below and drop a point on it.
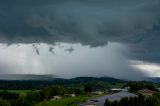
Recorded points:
(25, 77)
(28, 81)
(39, 81)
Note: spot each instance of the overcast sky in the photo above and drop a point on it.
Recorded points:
(71, 38)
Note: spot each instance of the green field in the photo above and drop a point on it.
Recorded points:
(20, 92)
(71, 101)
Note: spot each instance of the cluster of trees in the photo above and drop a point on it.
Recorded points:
(46, 93)
(135, 86)
(88, 88)
(136, 101)
(32, 97)
(77, 91)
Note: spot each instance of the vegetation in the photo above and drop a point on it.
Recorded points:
(135, 86)
(88, 88)
(4, 102)
(20, 92)
(43, 92)
(97, 83)
(8, 96)
(31, 98)
(70, 101)
(43, 96)
(139, 100)
(136, 101)
(77, 91)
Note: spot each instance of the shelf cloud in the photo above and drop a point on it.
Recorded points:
(87, 22)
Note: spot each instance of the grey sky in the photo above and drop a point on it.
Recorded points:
(131, 27)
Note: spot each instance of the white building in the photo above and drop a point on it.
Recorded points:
(56, 97)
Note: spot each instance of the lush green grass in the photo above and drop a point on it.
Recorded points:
(71, 101)
(20, 92)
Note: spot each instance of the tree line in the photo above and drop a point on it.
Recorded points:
(99, 83)
(139, 100)
(135, 86)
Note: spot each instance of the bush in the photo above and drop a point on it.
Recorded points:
(4, 102)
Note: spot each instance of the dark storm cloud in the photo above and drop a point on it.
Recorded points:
(147, 49)
(89, 22)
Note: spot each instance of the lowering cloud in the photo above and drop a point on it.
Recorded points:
(83, 21)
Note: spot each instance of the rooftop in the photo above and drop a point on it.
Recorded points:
(145, 91)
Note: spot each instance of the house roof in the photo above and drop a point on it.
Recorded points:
(145, 91)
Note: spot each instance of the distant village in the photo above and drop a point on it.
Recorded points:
(114, 94)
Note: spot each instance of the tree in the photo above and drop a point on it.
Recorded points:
(107, 103)
(79, 91)
(88, 88)
(47, 92)
(135, 86)
(41, 95)
(58, 90)
(151, 87)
